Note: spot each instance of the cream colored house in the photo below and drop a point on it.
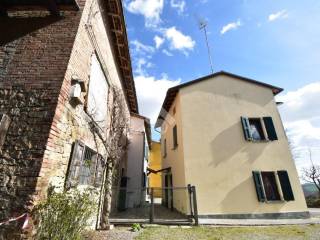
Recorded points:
(223, 134)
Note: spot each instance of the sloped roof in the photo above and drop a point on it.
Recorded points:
(172, 92)
(37, 4)
(117, 26)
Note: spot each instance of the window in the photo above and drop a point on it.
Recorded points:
(267, 187)
(97, 99)
(175, 137)
(258, 129)
(270, 186)
(86, 166)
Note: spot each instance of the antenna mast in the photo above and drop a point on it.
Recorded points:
(203, 25)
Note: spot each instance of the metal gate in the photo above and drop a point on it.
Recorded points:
(169, 205)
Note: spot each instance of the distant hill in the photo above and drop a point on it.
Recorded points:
(310, 190)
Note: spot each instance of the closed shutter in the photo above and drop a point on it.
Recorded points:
(285, 185)
(75, 164)
(175, 137)
(271, 131)
(246, 128)
(258, 184)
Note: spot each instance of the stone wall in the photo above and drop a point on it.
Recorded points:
(34, 55)
(36, 67)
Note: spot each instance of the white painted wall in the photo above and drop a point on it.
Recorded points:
(137, 164)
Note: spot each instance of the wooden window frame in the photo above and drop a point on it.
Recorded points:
(259, 127)
(267, 133)
(284, 189)
(74, 175)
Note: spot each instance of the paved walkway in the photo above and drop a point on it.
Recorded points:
(258, 222)
(314, 213)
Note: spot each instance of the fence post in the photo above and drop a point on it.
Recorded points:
(151, 207)
(190, 200)
(195, 207)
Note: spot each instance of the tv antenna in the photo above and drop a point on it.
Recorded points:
(203, 26)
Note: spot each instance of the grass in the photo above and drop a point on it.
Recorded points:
(232, 233)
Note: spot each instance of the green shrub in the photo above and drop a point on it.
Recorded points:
(64, 215)
(313, 202)
(136, 227)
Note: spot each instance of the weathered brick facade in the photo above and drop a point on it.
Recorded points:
(36, 68)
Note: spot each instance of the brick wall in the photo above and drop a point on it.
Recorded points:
(34, 56)
(36, 67)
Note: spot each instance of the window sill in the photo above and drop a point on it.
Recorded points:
(260, 141)
(275, 201)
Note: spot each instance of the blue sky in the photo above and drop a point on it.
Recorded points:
(274, 41)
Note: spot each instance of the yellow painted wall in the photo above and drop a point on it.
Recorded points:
(155, 180)
(216, 158)
(174, 157)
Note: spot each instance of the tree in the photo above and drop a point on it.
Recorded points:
(114, 141)
(293, 147)
(312, 173)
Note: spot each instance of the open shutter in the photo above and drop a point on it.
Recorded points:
(285, 185)
(271, 131)
(246, 128)
(4, 125)
(75, 164)
(259, 188)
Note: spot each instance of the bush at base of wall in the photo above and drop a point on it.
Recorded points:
(64, 215)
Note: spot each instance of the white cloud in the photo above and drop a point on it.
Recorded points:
(230, 26)
(302, 104)
(179, 5)
(139, 48)
(278, 15)
(178, 40)
(151, 93)
(158, 41)
(301, 116)
(141, 66)
(150, 9)
(166, 52)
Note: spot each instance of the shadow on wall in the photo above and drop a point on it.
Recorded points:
(22, 26)
(230, 142)
(242, 192)
(30, 83)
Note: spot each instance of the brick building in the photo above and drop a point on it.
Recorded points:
(57, 61)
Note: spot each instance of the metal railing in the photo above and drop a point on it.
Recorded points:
(169, 205)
